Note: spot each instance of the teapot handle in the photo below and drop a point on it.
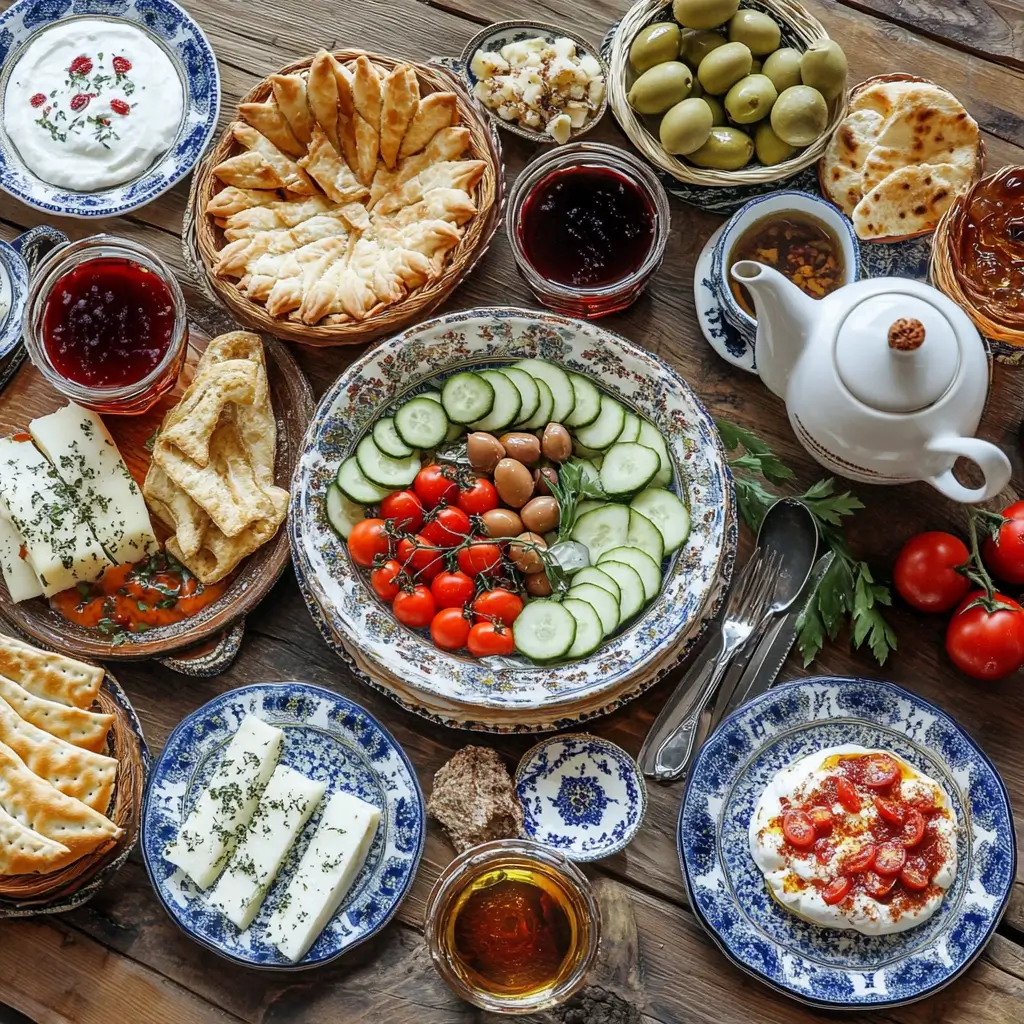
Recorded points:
(991, 460)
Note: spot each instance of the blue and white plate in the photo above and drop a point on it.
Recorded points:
(183, 40)
(327, 737)
(13, 295)
(826, 967)
(581, 795)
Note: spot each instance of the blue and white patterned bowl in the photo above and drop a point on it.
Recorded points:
(183, 40)
(825, 967)
(13, 295)
(581, 795)
(327, 737)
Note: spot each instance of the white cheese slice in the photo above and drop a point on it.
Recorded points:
(325, 874)
(224, 809)
(82, 451)
(286, 804)
(15, 563)
(49, 517)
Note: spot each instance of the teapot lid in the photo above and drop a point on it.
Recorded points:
(897, 352)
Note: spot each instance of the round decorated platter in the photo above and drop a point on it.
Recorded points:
(328, 739)
(414, 362)
(839, 968)
(13, 293)
(166, 26)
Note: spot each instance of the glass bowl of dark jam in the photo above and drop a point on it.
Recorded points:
(106, 324)
(588, 224)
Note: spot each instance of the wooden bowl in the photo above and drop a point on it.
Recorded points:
(799, 28)
(208, 239)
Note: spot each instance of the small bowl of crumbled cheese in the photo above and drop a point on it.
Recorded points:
(535, 80)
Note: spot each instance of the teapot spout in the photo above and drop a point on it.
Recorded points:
(784, 318)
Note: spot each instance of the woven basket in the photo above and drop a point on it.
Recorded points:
(207, 239)
(854, 93)
(801, 28)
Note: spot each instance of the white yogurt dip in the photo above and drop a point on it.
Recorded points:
(92, 103)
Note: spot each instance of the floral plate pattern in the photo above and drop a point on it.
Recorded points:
(345, 607)
(173, 29)
(825, 967)
(581, 795)
(13, 295)
(327, 737)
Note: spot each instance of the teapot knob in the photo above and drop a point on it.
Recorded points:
(906, 334)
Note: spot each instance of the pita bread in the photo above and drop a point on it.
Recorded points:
(49, 675)
(844, 158)
(85, 729)
(882, 97)
(24, 852)
(908, 201)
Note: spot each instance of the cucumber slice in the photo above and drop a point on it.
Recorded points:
(355, 486)
(630, 427)
(342, 514)
(628, 467)
(544, 630)
(667, 512)
(645, 566)
(542, 417)
(529, 393)
(434, 396)
(601, 601)
(651, 438)
(633, 596)
(581, 451)
(663, 478)
(588, 506)
(467, 397)
(454, 432)
(643, 534)
(589, 632)
(507, 403)
(602, 529)
(558, 381)
(590, 472)
(420, 423)
(598, 578)
(386, 438)
(605, 430)
(588, 402)
(383, 470)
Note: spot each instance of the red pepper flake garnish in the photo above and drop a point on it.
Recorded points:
(38, 100)
(119, 107)
(81, 65)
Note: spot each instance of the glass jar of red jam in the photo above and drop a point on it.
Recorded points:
(106, 324)
(588, 224)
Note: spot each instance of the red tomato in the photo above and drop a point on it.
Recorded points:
(418, 558)
(821, 818)
(847, 794)
(837, 890)
(449, 629)
(914, 874)
(889, 858)
(405, 509)
(889, 811)
(486, 638)
(1005, 555)
(385, 580)
(913, 827)
(880, 771)
(452, 589)
(415, 607)
(498, 605)
(367, 540)
(798, 828)
(435, 484)
(860, 860)
(925, 571)
(449, 527)
(878, 885)
(479, 497)
(983, 644)
(480, 557)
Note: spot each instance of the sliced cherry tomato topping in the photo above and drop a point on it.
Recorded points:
(913, 827)
(418, 558)
(860, 860)
(821, 818)
(837, 890)
(880, 771)
(385, 580)
(452, 589)
(487, 638)
(435, 485)
(449, 629)
(415, 607)
(480, 558)
(888, 810)
(914, 874)
(889, 858)
(405, 508)
(368, 539)
(498, 605)
(847, 794)
(450, 526)
(798, 828)
(824, 851)
(878, 885)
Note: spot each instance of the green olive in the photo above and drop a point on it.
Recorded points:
(755, 67)
(823, 67)
(783, 68)
(695, 44)
(770, 149)
(704, 13)
(800, 115)
(696, 89)
(727, 149)
(717, 110)
(660, 87)
(758, 31)
(721, 69)
(654, 45)
(686, 127)
(750, 99)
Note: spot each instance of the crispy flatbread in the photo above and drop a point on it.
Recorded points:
(268, 119)
(844, 158)
(322, 93)
(908, 201)
(399, 100)
(434, 112)
(290, 93)
(248, 171)
(24, 852)
(49, 675)
(326, 166)
(232, 200)
(85, 729)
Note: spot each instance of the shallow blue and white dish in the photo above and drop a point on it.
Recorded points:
(824, 967)
(180, 37)
(328, 738)
(581, 795)
(13, 295)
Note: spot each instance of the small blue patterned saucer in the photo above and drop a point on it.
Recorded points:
(581, 795)
(13, 294)
(327, 737)
(826, 967)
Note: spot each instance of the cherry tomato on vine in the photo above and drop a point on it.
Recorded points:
(925, 571)
(480, 557)
(385, 580)
(434, 485)
(418, 559)
(984, 644)
(367, 540)
(1005, 555)
(415, 607)
(449, 629)
(452, 589)
(498, 605)
(450, 526)
(479, 497)
(486, 638)
(405, 508)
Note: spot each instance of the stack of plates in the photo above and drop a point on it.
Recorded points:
(499, 694)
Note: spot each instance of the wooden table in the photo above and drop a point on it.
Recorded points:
(121, 959)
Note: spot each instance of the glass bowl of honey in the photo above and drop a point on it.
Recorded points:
(512, 926)
(106, 324)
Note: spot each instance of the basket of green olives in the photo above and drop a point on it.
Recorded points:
(719, 94)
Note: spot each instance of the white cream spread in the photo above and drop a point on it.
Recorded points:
(92, 103)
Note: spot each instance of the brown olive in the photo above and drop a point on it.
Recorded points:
(538, 584)
(540, 514)
(484, 451)
(502, 522)
(541, 478)
(524, 448)
(556, 443)
(514, 482)
(525, 557)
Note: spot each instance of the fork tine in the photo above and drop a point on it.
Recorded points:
(748, 575)
(767, 579)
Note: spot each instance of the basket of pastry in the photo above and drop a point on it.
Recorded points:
(349, 198)
(72, 771)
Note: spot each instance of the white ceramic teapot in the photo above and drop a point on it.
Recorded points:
(884, 380)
